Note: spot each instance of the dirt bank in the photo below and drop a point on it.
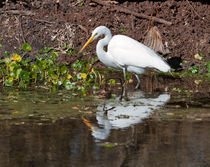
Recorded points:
(41, 23)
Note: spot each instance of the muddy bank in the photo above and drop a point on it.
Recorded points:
(196, 87)
(46, 23)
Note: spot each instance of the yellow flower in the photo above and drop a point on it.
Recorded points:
(15, 112)
(16, 57)
(83, 75)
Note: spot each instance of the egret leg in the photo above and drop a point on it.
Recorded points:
(124, 85)
(137, 77)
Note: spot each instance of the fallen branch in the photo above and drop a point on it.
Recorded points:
(128, 11)
(18, 12)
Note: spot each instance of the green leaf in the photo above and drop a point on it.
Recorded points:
(202, 55)
(108, 145)
(122, 29)
(68, 85)
(81, 4)
(64, 70)
(208, 67)
(47, 49)
(22, 84)
(25, 76)
(112, 81)
(6, 53)
(18, 71)
(8, 82)
(26, 47)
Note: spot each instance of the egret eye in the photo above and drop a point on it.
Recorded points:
(95, 34)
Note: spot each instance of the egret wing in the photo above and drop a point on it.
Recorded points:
(129, 52)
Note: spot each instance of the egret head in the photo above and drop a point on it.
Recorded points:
(98, 31)
(95, 34)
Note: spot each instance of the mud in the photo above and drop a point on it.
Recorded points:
(47, 23)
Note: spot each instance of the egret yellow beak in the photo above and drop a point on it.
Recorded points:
(88, 42)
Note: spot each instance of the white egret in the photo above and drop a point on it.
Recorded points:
(125, 53)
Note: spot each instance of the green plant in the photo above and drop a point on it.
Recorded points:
(122, 29)
(81, 4)
(179, 90)
(16, 70)
(194, 69)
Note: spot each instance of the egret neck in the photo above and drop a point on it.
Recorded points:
(101, 53)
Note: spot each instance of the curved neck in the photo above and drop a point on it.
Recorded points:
(101, 44)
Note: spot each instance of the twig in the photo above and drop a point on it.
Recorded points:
(45, 21)
(21, 29)
(128, 11)
(18, 12)
(83, 28)
(132, 22)
(194, 10)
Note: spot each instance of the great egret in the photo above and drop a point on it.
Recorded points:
(125, 53)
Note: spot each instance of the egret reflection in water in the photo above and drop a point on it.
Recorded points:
(118, 115)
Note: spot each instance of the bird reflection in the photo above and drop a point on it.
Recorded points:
(118, 115)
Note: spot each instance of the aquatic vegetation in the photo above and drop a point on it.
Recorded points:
(196, 68)
(19, 71)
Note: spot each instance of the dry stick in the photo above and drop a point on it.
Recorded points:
(194, 10)
(18, 12)
(83, 28)
(21, 29)
(128, 11)
(45, 21)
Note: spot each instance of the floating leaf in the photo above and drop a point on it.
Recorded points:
(68, 85)
(9, 82)
(22, 84)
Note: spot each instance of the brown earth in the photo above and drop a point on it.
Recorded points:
(47, 23)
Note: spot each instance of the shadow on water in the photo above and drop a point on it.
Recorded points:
(122, 133)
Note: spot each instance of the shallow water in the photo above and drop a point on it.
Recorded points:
(41, 129)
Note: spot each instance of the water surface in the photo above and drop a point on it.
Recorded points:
(40, 129)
